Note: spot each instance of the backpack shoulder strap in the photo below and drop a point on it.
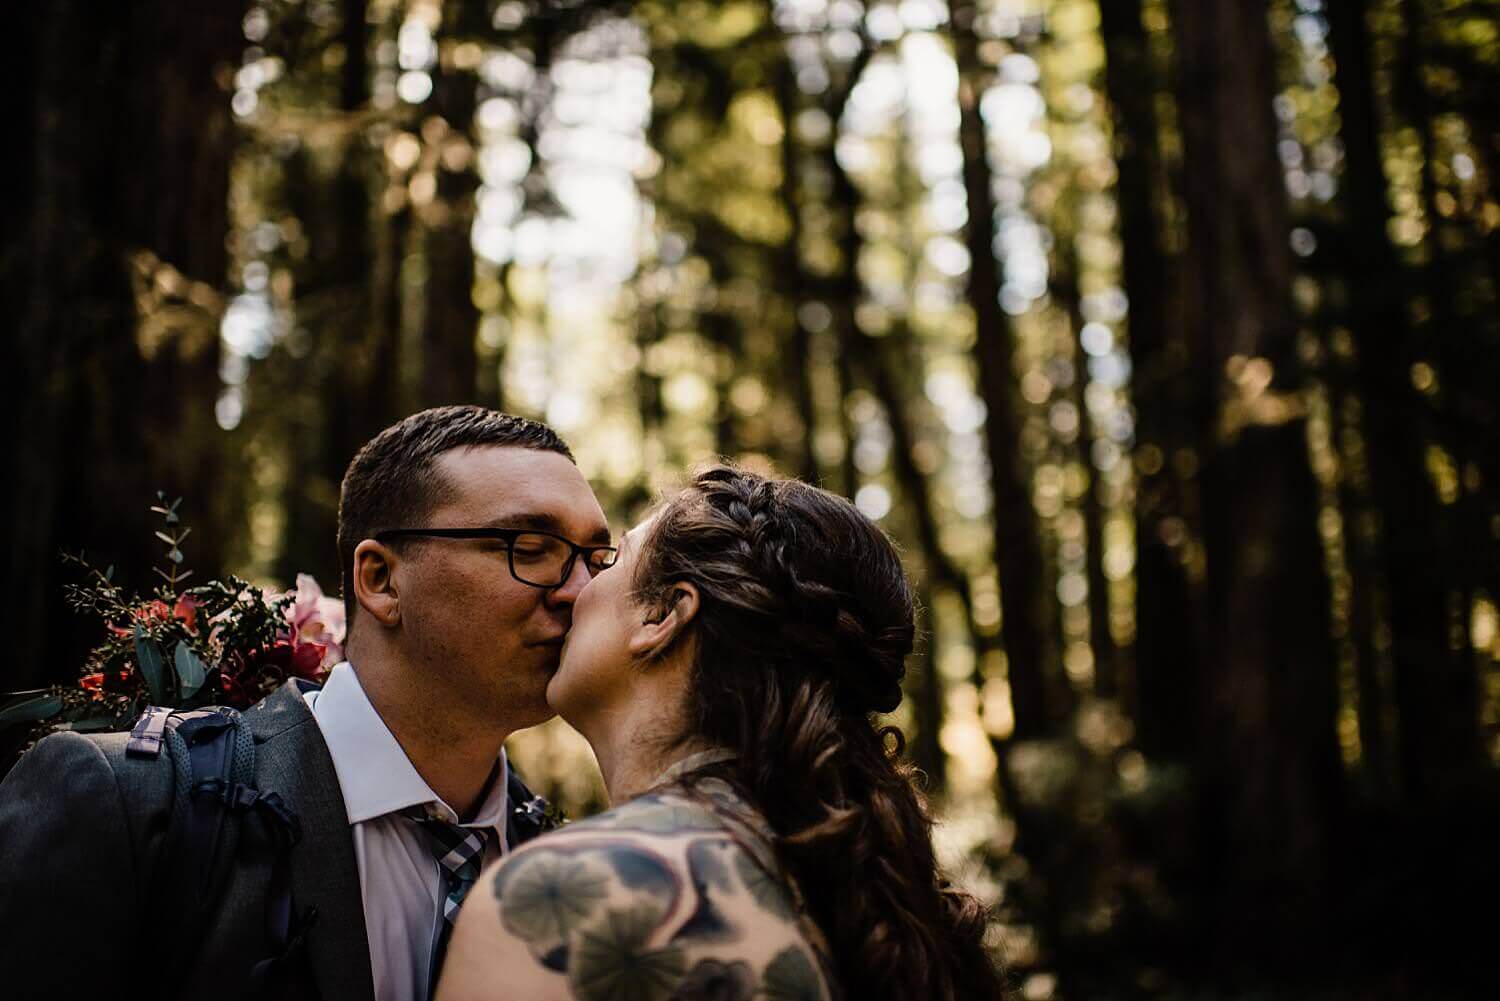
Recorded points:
(214, 804)
(214, 757)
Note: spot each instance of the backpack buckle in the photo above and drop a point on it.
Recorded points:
(240, 798)
(146, 736)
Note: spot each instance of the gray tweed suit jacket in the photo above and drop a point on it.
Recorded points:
(79, 824)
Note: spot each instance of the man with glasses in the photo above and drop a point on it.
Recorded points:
(465, 536)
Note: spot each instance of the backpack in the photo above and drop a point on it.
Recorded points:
(215, 808)
(217, 814)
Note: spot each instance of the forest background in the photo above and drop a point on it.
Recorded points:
(1161, 334)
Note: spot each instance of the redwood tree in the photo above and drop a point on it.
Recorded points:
(1267, 758)
(114, 260)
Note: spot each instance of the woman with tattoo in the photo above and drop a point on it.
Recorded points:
(767, 843)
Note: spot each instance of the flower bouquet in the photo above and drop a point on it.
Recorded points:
(226, 642)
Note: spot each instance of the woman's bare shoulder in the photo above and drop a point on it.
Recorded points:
(653, 900)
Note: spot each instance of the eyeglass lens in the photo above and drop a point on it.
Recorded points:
(545, 561)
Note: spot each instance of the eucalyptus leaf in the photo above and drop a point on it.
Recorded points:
(30, 710)
(153, 667)
(8, 699)
(191, 671)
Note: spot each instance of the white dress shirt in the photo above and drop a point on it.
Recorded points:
(399, 880)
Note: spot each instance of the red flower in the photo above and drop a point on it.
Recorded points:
(288, 658)
(186, 612)
(307, 661)
(229, 688)
(95, 683)
(154, 611)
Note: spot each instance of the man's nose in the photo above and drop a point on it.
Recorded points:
(577, 579)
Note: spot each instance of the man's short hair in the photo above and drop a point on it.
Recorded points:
(392, 481)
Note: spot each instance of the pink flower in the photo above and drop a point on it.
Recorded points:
(316, 620)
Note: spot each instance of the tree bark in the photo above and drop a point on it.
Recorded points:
(1268, 766)
(116, 262)
(450, 362)
(1165, 652)
(1438, 699)
(1408, 544)
(338, 296)
(1066, 293)
(1026, 611)
(357, 405)
(793, 280)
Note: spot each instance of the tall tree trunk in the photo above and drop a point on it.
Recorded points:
(450, 324)
(328, 302)
(1268, 765)
(356, 407)
(1438, 699)
(792, 279)
(845, 289)
(1066, 292)
(1165, 651)
(338, 296)
(881, 363)
(115, 262)
(723, 335)
(1026, 611)
(926, 749)
(388, 401)
(1410, 556)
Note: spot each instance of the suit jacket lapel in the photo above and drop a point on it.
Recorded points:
(292, 759)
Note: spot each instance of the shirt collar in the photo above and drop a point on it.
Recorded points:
(375, 775)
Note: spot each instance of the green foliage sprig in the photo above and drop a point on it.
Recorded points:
(225, 641)
(174, 573)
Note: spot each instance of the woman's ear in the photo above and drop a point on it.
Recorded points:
(655, 636)
(375, 582)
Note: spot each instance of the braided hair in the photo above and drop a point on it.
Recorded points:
(804, 624)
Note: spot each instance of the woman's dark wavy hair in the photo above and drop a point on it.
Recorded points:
(805, 620)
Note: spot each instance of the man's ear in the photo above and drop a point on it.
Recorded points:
(375, 582)
(656, 635)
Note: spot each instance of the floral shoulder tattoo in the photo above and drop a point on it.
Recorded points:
(656, 901)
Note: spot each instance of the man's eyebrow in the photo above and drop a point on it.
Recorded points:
(546, 523)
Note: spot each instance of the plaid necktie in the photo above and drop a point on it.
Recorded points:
(460, 854)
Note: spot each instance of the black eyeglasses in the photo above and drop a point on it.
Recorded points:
(540, 559)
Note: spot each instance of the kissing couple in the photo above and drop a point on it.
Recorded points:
(725, 659)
